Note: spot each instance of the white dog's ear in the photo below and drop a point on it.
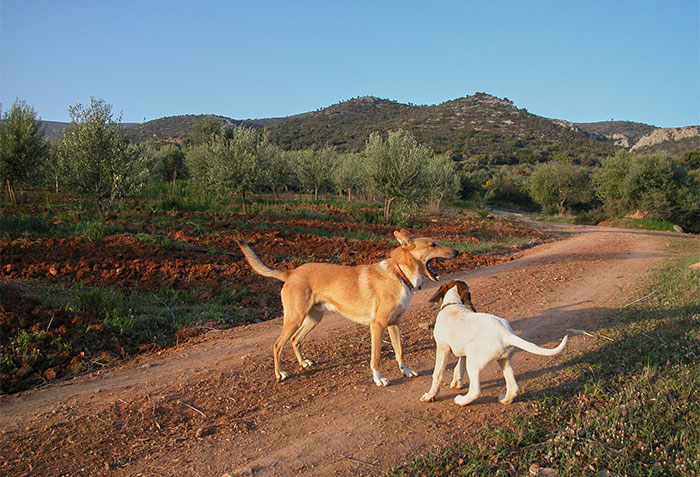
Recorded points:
(404, 239)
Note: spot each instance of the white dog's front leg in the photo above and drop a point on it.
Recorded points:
(440, 362)
(378, 379)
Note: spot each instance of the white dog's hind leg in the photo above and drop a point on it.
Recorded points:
(441, 353)
(511, 385)
(395, 336)
(458, 377)
(473, 370)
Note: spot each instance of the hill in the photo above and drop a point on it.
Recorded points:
(622, 133)
(672, 140)
(481, 129)
(173, 127)
(53, 128)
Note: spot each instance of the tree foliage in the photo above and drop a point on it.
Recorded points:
(348, 173)
(656, 185)
(95, 160)
(560, 187)
(22, 147)
(313, 168)
(394, 167)
(170, 161)
(440, 181)
(232, 162)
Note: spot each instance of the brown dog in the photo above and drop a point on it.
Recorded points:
(376, 295)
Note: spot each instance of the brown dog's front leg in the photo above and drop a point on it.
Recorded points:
(376, 330)
(395, 336)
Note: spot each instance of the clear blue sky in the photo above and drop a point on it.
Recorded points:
(576, 60)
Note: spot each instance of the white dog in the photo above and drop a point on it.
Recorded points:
(477, 338)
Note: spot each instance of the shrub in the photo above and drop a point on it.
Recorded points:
(560, 187)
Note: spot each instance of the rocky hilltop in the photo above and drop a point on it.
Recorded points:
(659, 136)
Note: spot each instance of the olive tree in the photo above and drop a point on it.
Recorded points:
(440, 181)
(560, 186)
(231, 163)
(348, 173)
(394, 166)
(94, 158)
(278, 174)
(170, 161)
(22, 147)
(609, 182)
(313, 168)
(659, 185)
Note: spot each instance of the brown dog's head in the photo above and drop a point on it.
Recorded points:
(462, 289)
(421, 252)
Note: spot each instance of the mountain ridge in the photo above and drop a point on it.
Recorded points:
(482, 128)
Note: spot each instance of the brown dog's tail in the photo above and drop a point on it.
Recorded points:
(258, 266)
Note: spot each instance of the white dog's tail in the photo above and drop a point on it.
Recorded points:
(258, 266)
(518, 342)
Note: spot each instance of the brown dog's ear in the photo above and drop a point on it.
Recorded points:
(404, 239)
(440, 293)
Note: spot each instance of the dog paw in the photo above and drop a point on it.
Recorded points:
(381, 382)
(427, 397)
(456, 384)
(463, 400)
(408, 372)
(283, 375)
(503, 399)
(306, 363)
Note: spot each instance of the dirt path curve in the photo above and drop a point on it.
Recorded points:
(212, 407)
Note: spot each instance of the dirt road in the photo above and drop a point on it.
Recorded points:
(212, 407)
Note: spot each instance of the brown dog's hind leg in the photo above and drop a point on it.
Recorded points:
(296, 302)
(287, 331)
(312, 319)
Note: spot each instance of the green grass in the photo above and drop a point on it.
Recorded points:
(487, 246)
(40, 226)
(631, 405)
(143, 316)
(645, 223)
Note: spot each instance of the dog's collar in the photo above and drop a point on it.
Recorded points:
(403, 277)
(448, 304)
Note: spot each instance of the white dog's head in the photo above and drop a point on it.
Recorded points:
(454, 291)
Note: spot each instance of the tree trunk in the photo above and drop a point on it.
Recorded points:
(10, 192)
(562, 207)
(243, 200)
(100, 211)
(172, 184)
(387, 208)
(349, 194)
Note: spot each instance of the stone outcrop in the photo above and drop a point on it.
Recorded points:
(666, 134)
